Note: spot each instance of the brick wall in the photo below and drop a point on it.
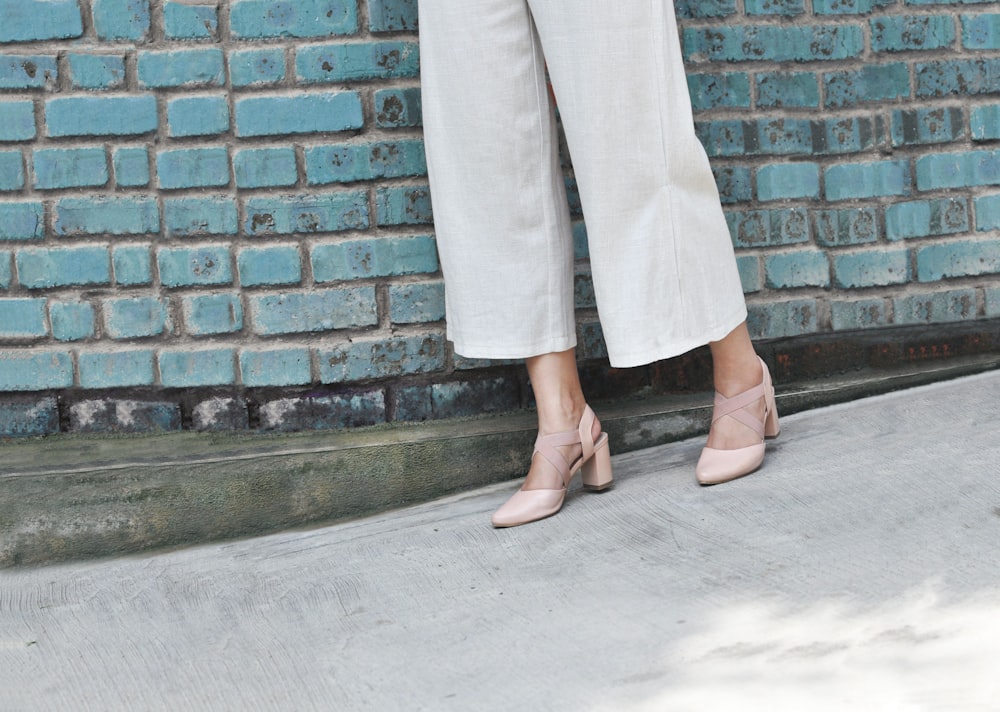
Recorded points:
(214, 215)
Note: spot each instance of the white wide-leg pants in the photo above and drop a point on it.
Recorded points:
(664, 272)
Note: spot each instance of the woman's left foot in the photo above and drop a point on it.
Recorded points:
(724, 463)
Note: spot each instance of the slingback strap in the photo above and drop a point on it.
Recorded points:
(734, 408)
(546, 445)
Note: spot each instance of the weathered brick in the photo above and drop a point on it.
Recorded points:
(316, 310)
(362, 359)
(291, 215)
(34, 370)
(967, 77)
(38, 20)
(101, 116)
(759, 228)
(96, 71)
(805, 268)
(135, 317)
(981, 31)
(209, 314)
(410, 205)
(131, 166)
(133, 265)
(11, 170)
(107, 215)
(190, 266)
(109, 416)
(183, 21)
(750, 271)
(926, 217)
(873, 82)
(937, 307)
(121, 19)
(22, 319)
(120, 368)
(198, 116)
(193, 168)
(927, 125)
(457, 399)
(871, 269)
(181, 68)
(417, 302)
(734, 183)
(984, 122)
(787, 89)
(850, 314)
(6, 271)
(220, 414)
(778, 181)
(842, 7)
(398, 108)
(392, 15)
(709, 91)
(792, 317)
(185, 217)
(17, 120)
(787, 8)
(987, 210)
(24, 71)
(187, 368)
(256, 67)
(265, 167)
(44, 268)
(354, 61)
(57, 168)
(853, 226)
(271, 265)
(71, 321)
(323, 412)
(299, 113)
(867, 180)
(378, 257)
(32, 417)
(351, 162)
(22, 220)
(705, 8)
(957, 258)
(899, 33)
(774, 43)
(254, 19)
(275, 367)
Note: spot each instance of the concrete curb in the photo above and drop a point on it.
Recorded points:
(75, 497)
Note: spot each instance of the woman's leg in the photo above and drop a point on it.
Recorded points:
(736, 369)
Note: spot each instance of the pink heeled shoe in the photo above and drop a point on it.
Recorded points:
(716, 466)
(530, 505)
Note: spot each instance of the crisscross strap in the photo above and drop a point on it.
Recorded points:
(735, 408)
(546, 445)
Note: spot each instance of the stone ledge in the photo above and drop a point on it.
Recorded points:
(71, 497)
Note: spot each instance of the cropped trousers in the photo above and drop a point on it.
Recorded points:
(664, 273)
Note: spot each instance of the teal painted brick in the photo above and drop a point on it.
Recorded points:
(183, 21)
(867, 180)
(873, 82)
(23, 71)
(787, 8)
(899, 33)
(22, 370)
(353, 162)
(70, 168)
(184, 217)
(987, 210)
(958, 258)
(255, 67)
(779, 181)
(378, 257)
(984, 122)
(763, 228)
(398, 108)
(275, 367)
(952, 305)
(881, 268)
(329, 212)
(131, 166)
(784, 136)
(190, 369)
(71, 321)
(992, 302)
(181, 68)
(945, 170)
(854, 226)
(6, 271)
(207, 314)
(32, 418)
(926, 217)
(455, 400)
(135, 317)
(37, 20)
(581, 250)
(852, 314)
(736, 43)
(316, 310)
(392, 15)
(132, 265)
(792, 317)
(121, 19)
(842, 7)
(191, 266)
(850, 134)
(726, 138)
(193, 168)
(101, 115)
(253, 19)
(966, 77)
(734, 183)
(43, 268)
(11, 170)
(265, 167)
(107, 215)
(981, 31)
(357, 61)
(809, 268)
(416, 303)
(22, 319)
(409, 205)
(198, 116)
(709, 91)
(277, 264)
(117, 369)
(750, 273)
(17, 120)
(787, 89)
(363, 359)
(705, 8)
(96, 71)
(583, 292)
(22, 220)
(927, 125)
(300, 113)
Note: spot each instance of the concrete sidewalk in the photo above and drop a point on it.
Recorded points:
(857, 571)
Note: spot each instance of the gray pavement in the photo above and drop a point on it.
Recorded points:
(858, 570)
